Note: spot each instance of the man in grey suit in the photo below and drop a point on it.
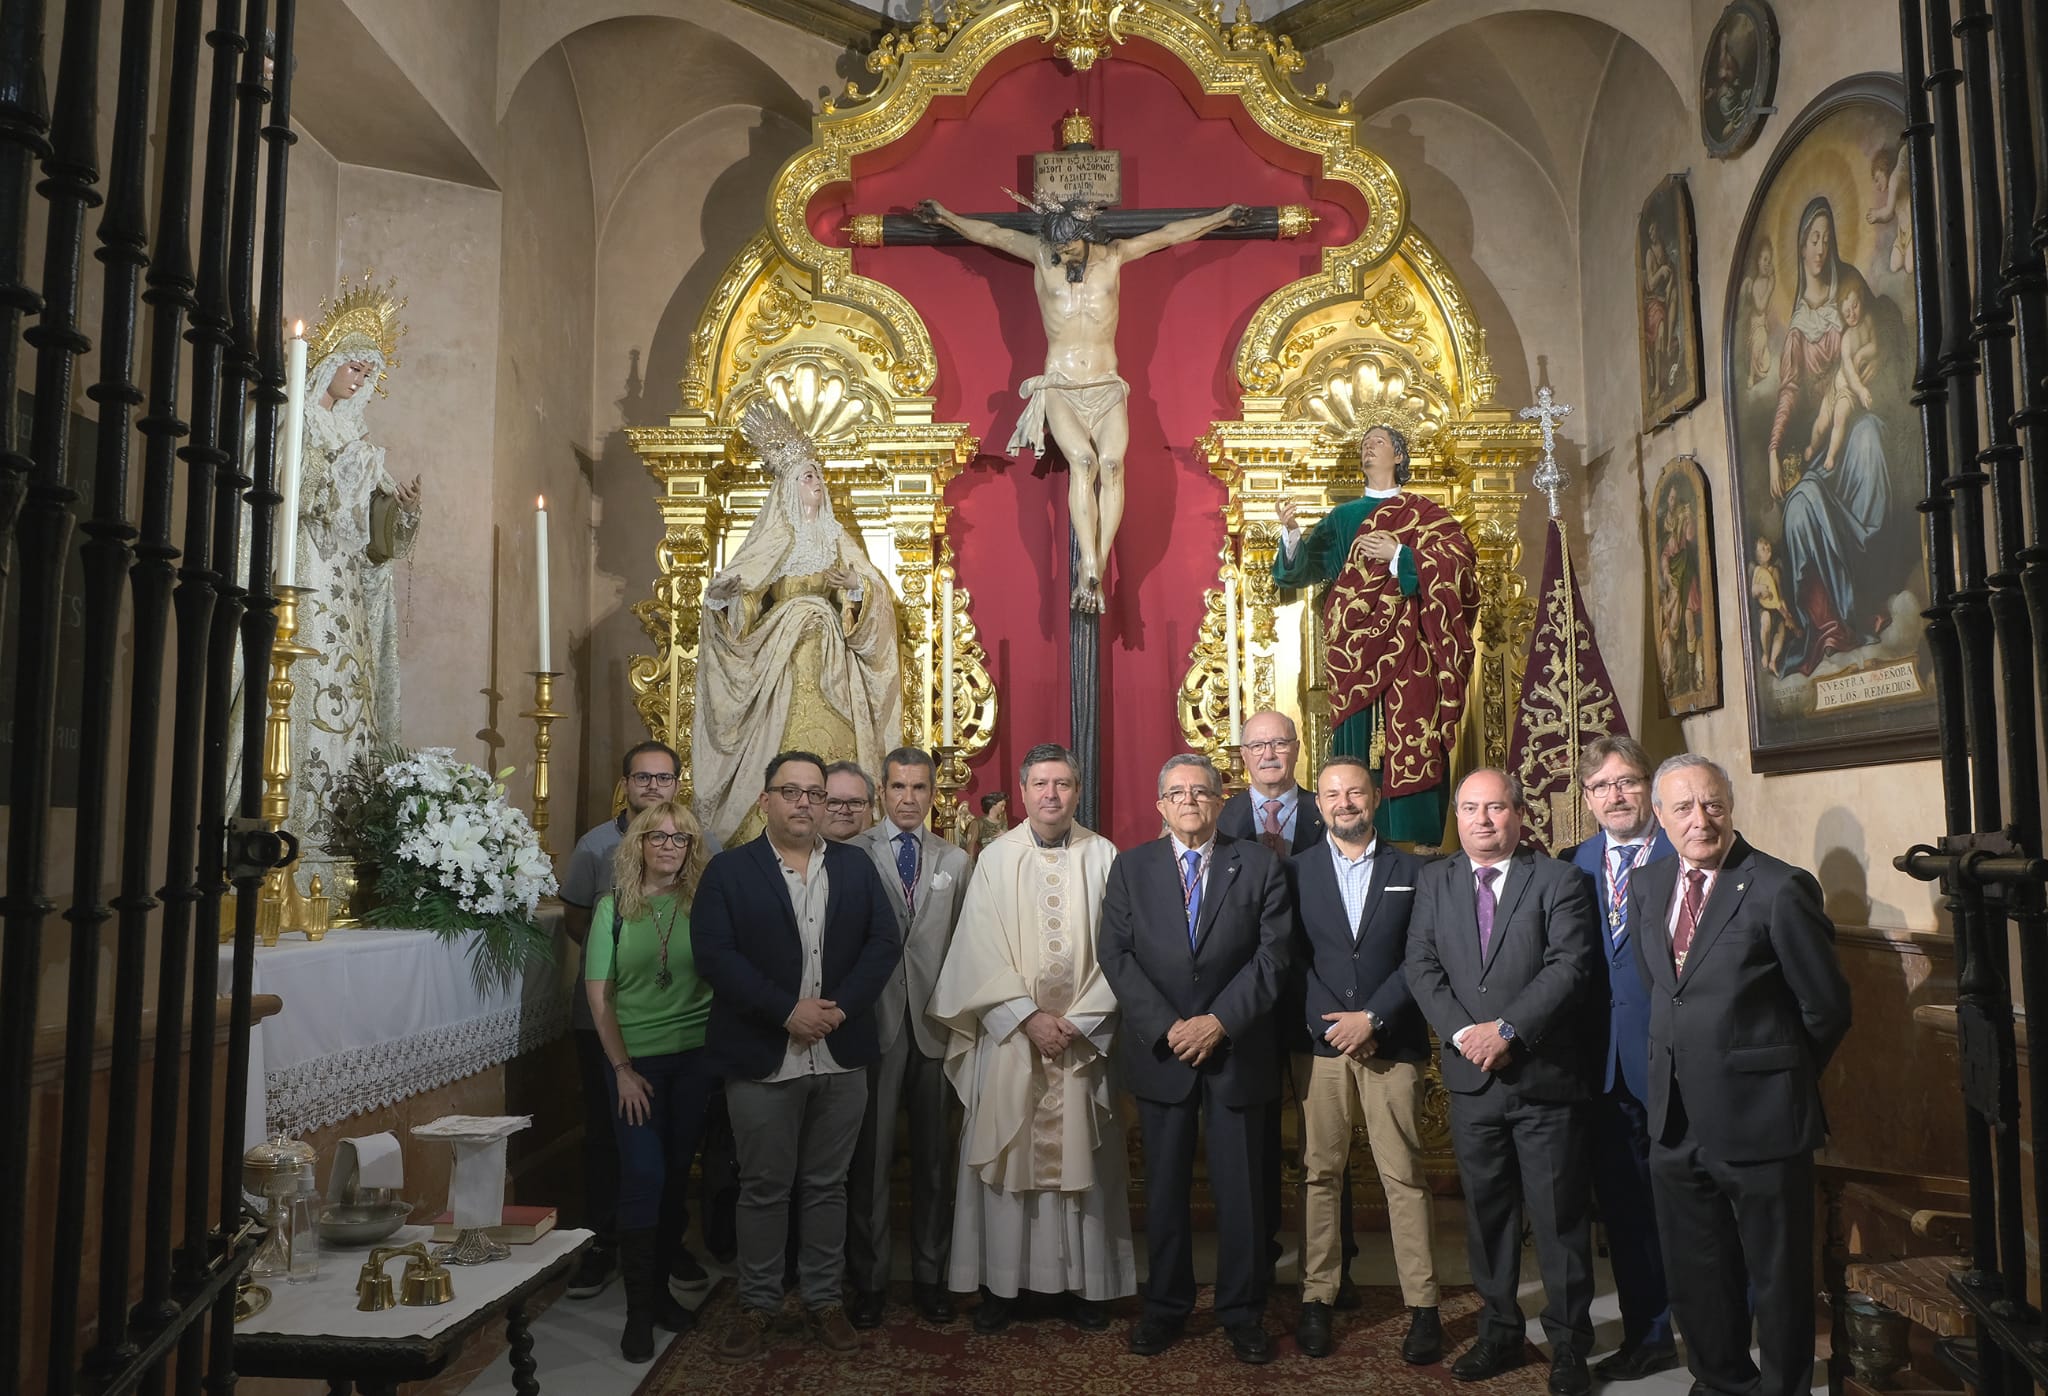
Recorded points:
(1747, 1004)
(926, 876)
(1503, 950)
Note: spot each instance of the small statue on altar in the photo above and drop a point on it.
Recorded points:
(1080, 396)
(1402, 592)
(975, 834)
(797, 646)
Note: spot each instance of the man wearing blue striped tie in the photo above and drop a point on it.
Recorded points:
(1196, 929)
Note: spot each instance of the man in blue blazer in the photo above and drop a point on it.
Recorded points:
(1194, 940)
(1370, 1046)
(1614, 774)
(797, 939)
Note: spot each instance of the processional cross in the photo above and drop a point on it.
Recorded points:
(1550, 477)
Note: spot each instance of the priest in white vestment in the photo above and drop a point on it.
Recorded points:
(1042, 1201)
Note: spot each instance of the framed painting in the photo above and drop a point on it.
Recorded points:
(1825, 446)
(1739, 78)
(1687, 620)
(1668, 304)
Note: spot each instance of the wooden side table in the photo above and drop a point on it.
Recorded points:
(314, 1329)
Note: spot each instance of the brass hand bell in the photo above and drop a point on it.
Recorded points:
(425, 1282)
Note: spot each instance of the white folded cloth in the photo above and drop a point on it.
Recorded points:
(379, 1160)
(476, 1195)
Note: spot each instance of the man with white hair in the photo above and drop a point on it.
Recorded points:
(1747, 1003)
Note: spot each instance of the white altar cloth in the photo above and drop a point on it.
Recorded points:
(371, 1017)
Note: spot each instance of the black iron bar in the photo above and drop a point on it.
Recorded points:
(44, 534)
(108, 551)
(1930, 396)
(194, 602)
(24, 139)
(169, 297)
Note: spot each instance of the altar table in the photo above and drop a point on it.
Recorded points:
(315, 1330)
(372, 1017)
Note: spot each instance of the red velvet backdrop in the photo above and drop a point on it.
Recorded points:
(1184, 311)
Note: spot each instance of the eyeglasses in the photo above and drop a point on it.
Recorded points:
(1276, 745)
(798, 794)
(842, 806)
(665, 840)
(1184, 795)
(650, 778)
(1620, 785)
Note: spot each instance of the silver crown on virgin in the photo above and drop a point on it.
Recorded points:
(780, 442)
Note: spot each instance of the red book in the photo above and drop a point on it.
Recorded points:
(521, 1225)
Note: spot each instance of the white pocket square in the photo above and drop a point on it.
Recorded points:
(941, 881)
(1404, 887)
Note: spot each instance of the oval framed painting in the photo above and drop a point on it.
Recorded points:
(1739, 78)
(1825, 446)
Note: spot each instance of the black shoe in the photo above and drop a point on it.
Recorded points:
(866, 1309)
(1634, 1361)
(1250, 1342)
(1488, 1359)
(636, 1344)
(933, 1304)
(1152, 1336)
(1348, 1300)
(1088, 1315)
(1568, 1375)
(1425, 1341)
(1312, 1333)
(637, 1269)
(994, 1313)
(594, 1273)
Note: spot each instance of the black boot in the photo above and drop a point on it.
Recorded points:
(636, 1264)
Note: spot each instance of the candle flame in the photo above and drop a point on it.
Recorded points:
(540, 501)
(298, 329)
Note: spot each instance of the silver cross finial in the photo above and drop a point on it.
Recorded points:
(1550, 477)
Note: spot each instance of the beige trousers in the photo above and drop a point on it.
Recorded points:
(1386, 1097)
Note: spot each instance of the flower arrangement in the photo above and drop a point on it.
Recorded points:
(451, 855)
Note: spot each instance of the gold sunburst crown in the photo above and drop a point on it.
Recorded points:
(363, 317)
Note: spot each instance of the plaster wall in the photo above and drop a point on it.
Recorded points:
(542, 441)
(448, 49)
(1845, 825)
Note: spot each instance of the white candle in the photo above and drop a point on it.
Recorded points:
(946, 663)
(540, 547)
(1230, 653)
(294, 446)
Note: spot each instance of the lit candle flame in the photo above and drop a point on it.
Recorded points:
(540, 501)
(298, 329)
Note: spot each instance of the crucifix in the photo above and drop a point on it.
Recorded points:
(1078, 243)
(1550, 477)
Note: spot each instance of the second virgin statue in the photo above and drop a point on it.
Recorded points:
(797, 648)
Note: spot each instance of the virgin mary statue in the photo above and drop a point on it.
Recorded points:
(797, 646)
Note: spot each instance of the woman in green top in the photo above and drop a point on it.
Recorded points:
(650, 1007)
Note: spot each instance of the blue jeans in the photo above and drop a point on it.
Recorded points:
(654, 1156)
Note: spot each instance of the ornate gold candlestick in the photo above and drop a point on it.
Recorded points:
(952, 777)
(544, 715)
(280, 908)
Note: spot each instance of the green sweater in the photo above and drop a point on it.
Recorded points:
(654, 1021)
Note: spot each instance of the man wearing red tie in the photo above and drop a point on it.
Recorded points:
(1747, 1004)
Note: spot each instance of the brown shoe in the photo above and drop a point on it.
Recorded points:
(832, 1329)
(745, 1337)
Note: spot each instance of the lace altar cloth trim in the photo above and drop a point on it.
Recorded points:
(327, 1090)
(372, 1017)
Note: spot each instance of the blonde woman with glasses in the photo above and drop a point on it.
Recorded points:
(650, 1006)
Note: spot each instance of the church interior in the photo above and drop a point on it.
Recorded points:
(1581, 254)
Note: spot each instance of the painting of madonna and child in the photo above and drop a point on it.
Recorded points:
(1827, 447)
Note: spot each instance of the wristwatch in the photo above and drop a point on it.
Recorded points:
(1505, 1029)
(1374, 1019)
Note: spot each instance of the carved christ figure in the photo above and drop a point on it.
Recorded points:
(1076, 269)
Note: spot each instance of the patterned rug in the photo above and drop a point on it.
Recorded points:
(909, 1357)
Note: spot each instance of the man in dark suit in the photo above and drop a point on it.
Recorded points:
(1614, 775)
(1281, 815)
(1196, 984)
(1354, 896)
(1503, 949)
(797, 939)
(1747, 1004)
